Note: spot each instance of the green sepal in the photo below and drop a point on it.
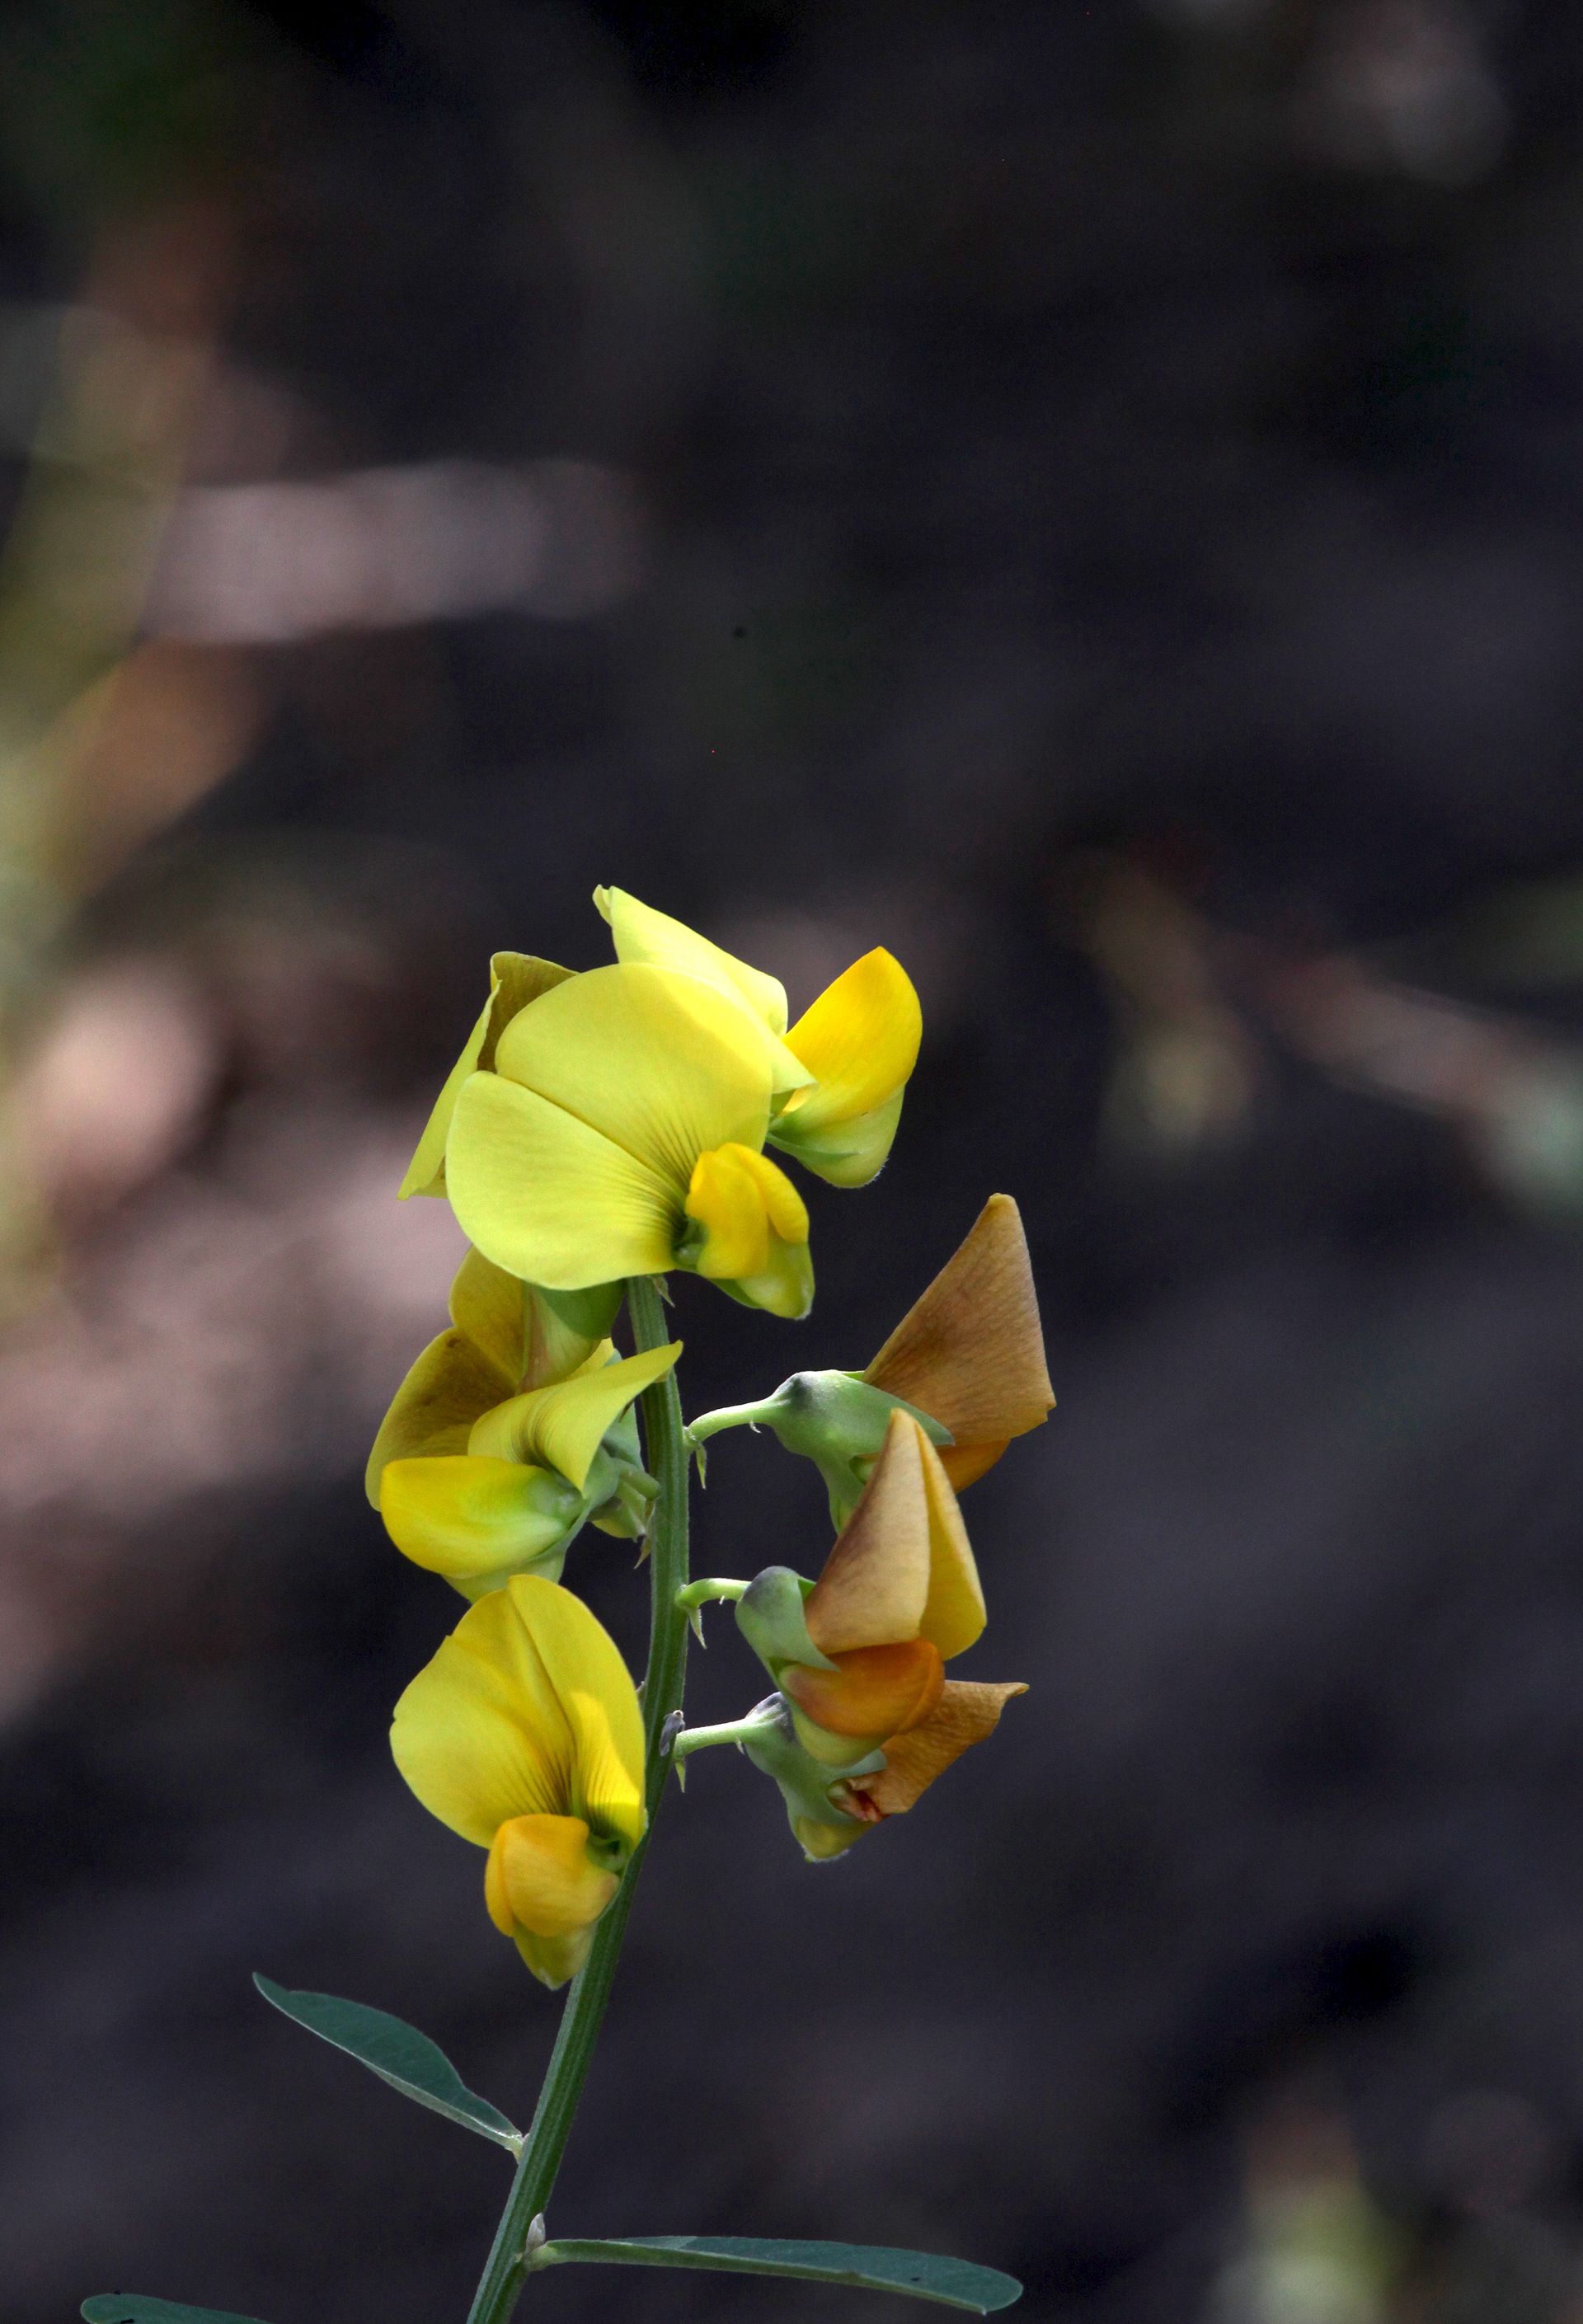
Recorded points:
(875, 2268)
(834, 1419)
(804, 1781)
(138, 2307)
(591, 1314)
(398, 2053)
(770, 1616)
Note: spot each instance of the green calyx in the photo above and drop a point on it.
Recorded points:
(770, 1616)
(834, 1419)
(804, 1784)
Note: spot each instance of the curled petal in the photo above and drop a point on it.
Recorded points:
(966, 1711)
(516, 978)
(753, 1227)
(970, 1351)
(477, 1521)
(902, 1566)
(873, 1693)
(433, 1410)
(543, 1887)
(563, 1427)
(860, 1040)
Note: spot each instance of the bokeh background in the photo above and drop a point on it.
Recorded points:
(1090, 496)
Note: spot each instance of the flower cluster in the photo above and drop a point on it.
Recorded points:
(611, 1125)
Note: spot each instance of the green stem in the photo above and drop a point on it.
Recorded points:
(735, 1416)
(507, 2266)
(734, 1730)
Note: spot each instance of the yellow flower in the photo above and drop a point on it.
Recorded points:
(523, 1735)
(511, 1432)
(967, 1360)
(839, 1072)
(613, 1124)
(871, 1708)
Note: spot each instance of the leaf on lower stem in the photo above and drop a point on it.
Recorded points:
(137, 2307)
(953, 2283)
(398, 2053)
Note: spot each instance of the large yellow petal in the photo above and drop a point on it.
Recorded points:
(663, 1066)
(954, 1616)
(549, 1199)
(516, 978)
(643, 934)
(480, 1734)
(475, 1520)
(968, 1711)
(860, 1040)
(875, 1588)
(970, 1352)
(563, 1426)
(582, 1664)
(436, 1406)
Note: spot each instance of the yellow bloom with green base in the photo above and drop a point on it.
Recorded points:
(524, 1735)
(512, 1431)
(613, 1124)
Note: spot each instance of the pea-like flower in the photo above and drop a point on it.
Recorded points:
(511, 1432)
(523, 1735)
(840, 1070)
(866, 1717)
(613, 1124)
(967, 1361)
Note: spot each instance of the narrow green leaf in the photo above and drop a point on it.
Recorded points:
(137, 2308)
(397, 2052)
(955, 2283)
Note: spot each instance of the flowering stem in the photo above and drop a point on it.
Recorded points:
(666, 1453)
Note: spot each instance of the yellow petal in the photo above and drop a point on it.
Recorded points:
(643, 934)
(435, 1406)
(563, 1426)
(740, 1199)
(479, 1734)
(965, 1713)
(970, 1352)
(541, 1879)
(875, 1587)
(526, 1709)
(516, 978)
(549, 1199)
(954, 1616)
(846, 1153)
(598, 1700)
(662, 1066)
(490, 1307)
(860, 1040)
(476, 1521)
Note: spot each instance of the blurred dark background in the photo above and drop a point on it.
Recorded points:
(1092, 498)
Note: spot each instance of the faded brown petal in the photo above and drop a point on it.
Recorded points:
(968, 1711)
(876, 1583)
(970, 1352)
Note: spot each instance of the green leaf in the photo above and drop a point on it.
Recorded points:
(137, 2307)
(955, 2283)
(398, 2053)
